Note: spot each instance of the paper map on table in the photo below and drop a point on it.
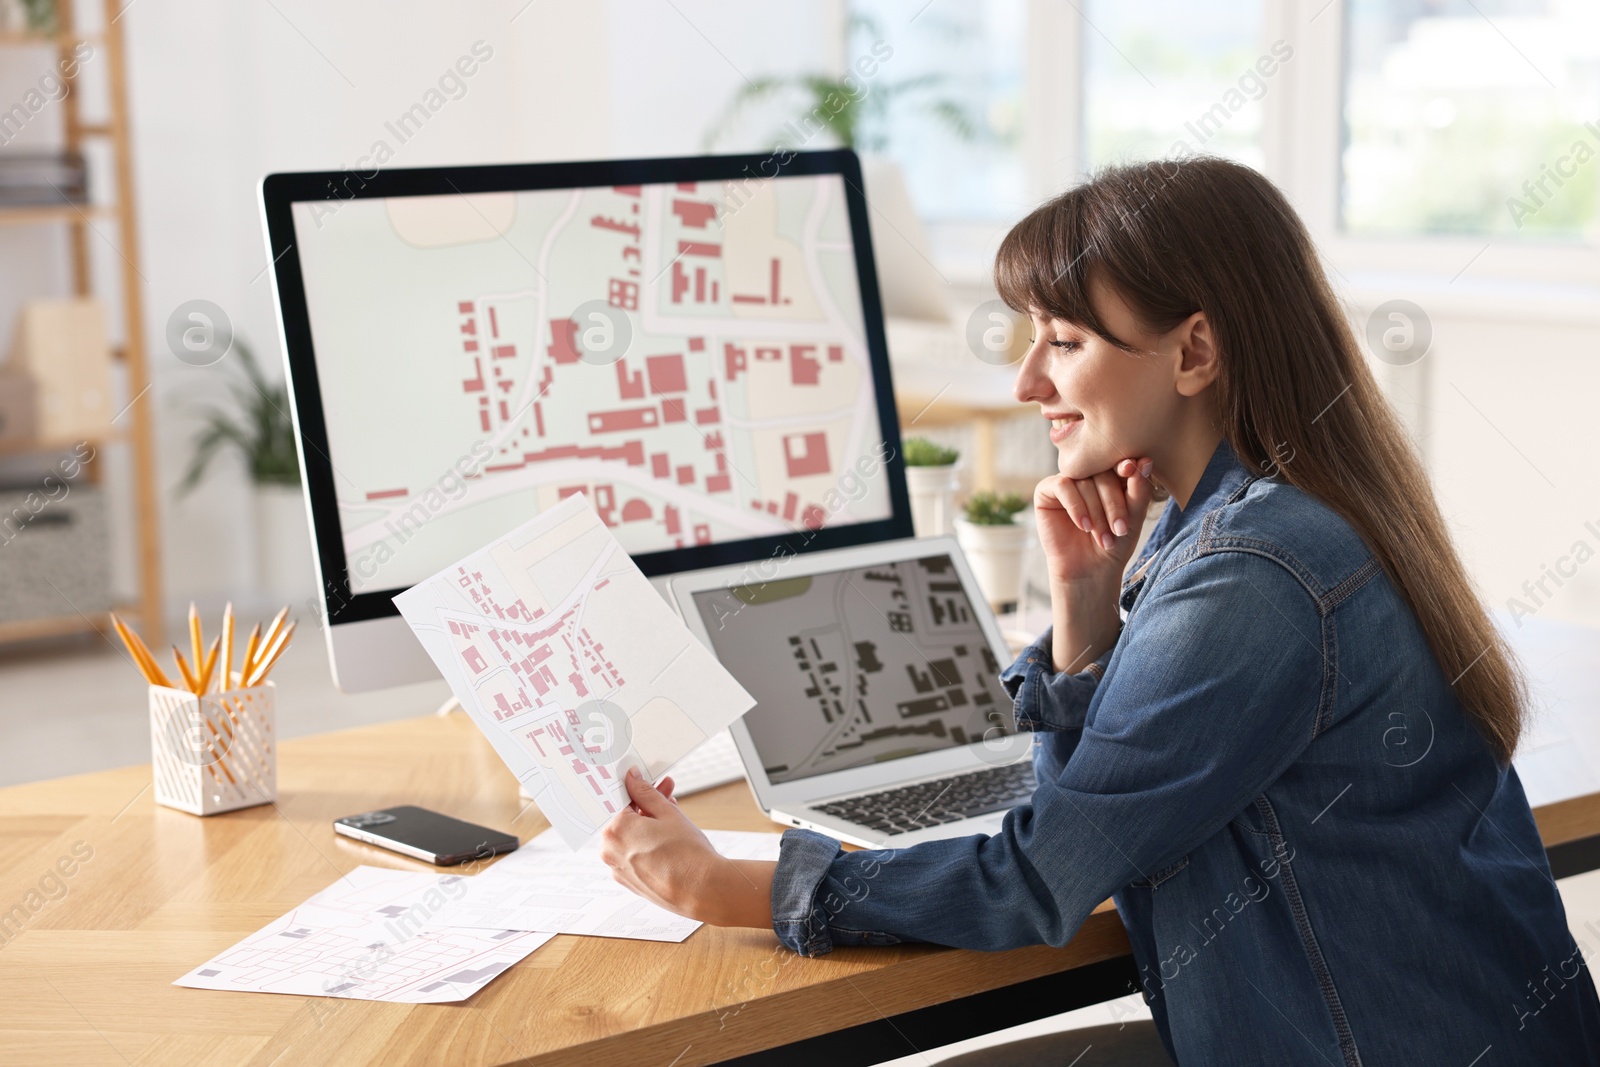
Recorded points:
(571, 664)
(545, 886)
(367, 937)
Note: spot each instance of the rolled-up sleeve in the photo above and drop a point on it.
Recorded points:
(1046, 699)
(1214, 695)
(1053, 704)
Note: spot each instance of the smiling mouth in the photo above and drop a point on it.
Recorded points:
(1062, 427)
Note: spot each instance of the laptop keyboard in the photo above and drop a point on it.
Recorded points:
(944, 800)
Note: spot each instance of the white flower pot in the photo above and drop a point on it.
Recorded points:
(933, 495)
(285, 572)
(995, 553)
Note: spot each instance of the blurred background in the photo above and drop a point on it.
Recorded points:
(1443, 153)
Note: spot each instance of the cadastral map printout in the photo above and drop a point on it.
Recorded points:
(571, 664)
(546, 886)
(368, 937)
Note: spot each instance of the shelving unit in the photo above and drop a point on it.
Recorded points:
(133, 425)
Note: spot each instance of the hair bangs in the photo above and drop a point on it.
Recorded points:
(1044, 265)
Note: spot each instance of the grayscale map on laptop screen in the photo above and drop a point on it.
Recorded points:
(858, 666)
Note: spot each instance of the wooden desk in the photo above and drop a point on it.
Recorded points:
(88, 977)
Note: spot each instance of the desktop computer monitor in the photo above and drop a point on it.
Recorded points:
(695, 343)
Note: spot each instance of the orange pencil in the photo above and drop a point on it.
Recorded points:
(214, 750)
(194, 687)
(250, 653)
(272, 628)
(217, 760)
(141, 655)
(128, 639)
(211, 665)
(196, 642)
(227, 649)
(267, 660)
(270, 642)
(147, 664)
(183, 668)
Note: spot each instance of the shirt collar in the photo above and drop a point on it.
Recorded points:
(1223, 477)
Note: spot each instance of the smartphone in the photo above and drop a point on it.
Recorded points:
(425, 835)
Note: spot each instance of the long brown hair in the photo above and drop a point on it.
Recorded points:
(1294, 392)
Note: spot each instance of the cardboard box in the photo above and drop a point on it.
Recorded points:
(62, 346)
(18, 422)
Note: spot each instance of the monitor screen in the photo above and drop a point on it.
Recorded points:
(700, 354)
(858, 666)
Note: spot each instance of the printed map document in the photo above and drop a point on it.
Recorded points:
(571, 664)
(545, 886)
(368, 936)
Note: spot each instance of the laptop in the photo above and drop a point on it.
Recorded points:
(879, 717)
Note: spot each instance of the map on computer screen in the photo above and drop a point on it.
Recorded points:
(692, 356)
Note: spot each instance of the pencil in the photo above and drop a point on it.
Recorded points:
(217, 760)
(272, 628)
(196, 642)
(183, 668)
(211, 665)
(227, 649)
(142, 657)
(271, 656)
(249, 653)
(259, 675)
(147, 665)
(218, 734)
(138, 661)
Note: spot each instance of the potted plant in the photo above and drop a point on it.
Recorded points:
(932, 481)
(993, 541)
(260, 431)
(856, 112)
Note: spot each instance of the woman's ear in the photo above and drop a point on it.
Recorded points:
(1197, 354)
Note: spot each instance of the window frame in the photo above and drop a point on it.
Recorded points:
(1303, 136)
(1312, 146)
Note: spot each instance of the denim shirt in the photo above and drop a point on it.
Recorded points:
(1317, 858)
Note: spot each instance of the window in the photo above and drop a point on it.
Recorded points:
(1471, 117)
(952, 102)
(1161, 72)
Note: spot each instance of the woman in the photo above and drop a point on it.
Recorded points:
(1289, 763)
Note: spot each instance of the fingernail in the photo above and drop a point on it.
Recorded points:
(1084, 524)
(1120, 527)
(1106, 541)
(1146, 467)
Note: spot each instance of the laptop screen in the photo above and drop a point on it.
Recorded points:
(858, 666)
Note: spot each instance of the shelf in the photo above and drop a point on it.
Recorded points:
(29, 448)
(134, 428)
(56, 626)
(28, 37)
(35, 214)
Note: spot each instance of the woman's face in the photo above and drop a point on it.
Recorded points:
(1104, 404)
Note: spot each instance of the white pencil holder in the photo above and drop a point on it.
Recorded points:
(214, 753)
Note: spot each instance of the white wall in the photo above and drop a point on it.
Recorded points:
(225, 93)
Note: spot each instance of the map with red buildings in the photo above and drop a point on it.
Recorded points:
(570, 663)
(464, 326)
